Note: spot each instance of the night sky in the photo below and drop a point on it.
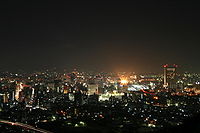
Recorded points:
(135, 36)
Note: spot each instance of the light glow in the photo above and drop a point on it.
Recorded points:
(124, 81)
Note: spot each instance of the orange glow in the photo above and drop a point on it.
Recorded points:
(124, 81)
(155, 97)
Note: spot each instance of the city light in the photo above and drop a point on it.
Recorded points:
(155, 98)
(83, 99)
(100, 66)
(124, 81)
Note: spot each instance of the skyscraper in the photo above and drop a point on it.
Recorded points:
(170, 76)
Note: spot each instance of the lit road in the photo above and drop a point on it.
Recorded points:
(24, 126)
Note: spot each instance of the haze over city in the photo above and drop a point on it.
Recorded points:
(135, 36)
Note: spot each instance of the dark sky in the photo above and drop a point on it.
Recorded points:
(106, 35)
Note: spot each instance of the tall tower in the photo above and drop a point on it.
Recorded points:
(170, 76)
(18, 89)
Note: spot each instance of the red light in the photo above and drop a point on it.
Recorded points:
(165, 65)
(175, 65)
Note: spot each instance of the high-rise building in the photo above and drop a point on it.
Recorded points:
(170, 76)
(5, 98)
(18, 89)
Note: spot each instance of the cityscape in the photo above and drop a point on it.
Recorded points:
(100, 66)
(98, 102)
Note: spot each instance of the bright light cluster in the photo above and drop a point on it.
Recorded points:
(124, 81)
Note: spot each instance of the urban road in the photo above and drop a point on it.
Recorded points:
(28, 127)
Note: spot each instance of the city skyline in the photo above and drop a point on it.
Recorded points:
(99, 66)
(110, 36)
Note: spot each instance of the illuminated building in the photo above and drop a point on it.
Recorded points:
(33, 93)
(66, 89)
(19, 88)
(92, 89)
(170, 76)
(136, 87)
(5, 98)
